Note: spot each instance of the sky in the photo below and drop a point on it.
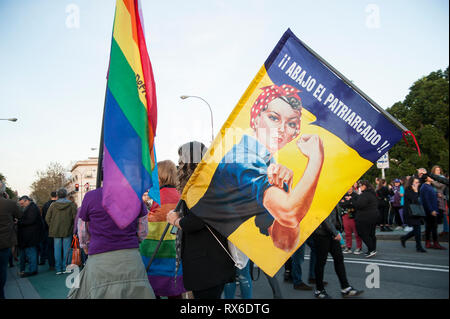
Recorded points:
(54, 56)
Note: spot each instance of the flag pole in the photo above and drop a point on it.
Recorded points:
(100, 149)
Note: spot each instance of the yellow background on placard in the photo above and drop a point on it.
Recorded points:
(341, 168)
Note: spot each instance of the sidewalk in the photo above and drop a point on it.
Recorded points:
(396, 234)
(45, 285)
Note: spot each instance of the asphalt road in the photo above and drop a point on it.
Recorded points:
(403, 274)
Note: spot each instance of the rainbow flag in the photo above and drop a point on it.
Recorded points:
(129, 120)
(161, 273)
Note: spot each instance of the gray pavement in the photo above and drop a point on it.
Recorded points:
(404, 274)
(19, 288)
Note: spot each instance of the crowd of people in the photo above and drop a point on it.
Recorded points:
(197, 262)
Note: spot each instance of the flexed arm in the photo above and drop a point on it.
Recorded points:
(288, 209)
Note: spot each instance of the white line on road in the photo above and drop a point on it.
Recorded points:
(391, 264)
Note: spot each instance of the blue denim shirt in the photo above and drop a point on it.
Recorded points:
(236, 191)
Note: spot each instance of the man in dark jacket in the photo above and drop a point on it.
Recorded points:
(327, 240)
(8, 212)
(47, 250)
(30, 229)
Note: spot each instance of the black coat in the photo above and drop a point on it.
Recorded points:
(8, 211)
(366, 206)
(44, 213)
(411, 197)
(383, 196)
(30, 227)
(205, 263)
(331, 225)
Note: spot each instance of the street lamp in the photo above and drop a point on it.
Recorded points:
(184, 97)
(11, 120)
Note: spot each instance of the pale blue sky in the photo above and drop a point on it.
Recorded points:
(53, 77)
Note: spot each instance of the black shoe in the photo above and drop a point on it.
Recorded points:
(351, 292)
(421, 250)
(322, 294)
(403, 242)
(302, 286)
(388, 228)
(28, 274)
(313, 282)
(287, 276)
(382, 228)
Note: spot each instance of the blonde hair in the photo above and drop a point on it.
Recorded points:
(167, 173)
(433, 170)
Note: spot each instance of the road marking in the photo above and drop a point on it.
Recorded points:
(400, 262)
(392, 264)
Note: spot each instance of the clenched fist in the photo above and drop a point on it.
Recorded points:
(311, 146)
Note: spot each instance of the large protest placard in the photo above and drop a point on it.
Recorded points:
(299, 137)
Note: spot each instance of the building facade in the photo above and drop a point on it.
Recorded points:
(83, 179)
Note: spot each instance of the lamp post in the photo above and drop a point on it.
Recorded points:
(11, 119)
(183, 97)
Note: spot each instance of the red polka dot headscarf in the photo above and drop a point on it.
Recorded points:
(286, 92)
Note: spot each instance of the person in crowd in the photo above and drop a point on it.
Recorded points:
(382, 194)
(404, 182)
(114, 269)
(326, 239)
(60, 219)
(160, 275)
(366, 216)
(412, 198)
(442, 195)
(207, 263)
(397, 204)
(297, 260)
(72, 199)
(30, 230)
(429, 200)
(9, 211)
(348, 219)
(47, 250)
(84, 256)
(244, 279)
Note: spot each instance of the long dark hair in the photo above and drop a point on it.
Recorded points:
(410, 182)
(366, 183)
(190, 155)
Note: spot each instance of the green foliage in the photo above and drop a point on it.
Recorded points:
(48, 181)
(425, 112)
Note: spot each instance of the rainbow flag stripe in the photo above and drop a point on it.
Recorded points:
(129, 120)
(162, 271)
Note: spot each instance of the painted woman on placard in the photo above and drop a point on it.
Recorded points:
(248, 182)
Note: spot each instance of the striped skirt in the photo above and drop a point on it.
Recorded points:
(161, 274)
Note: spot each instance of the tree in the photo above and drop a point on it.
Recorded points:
(49, 180)
(12, 194)
(425, 112)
